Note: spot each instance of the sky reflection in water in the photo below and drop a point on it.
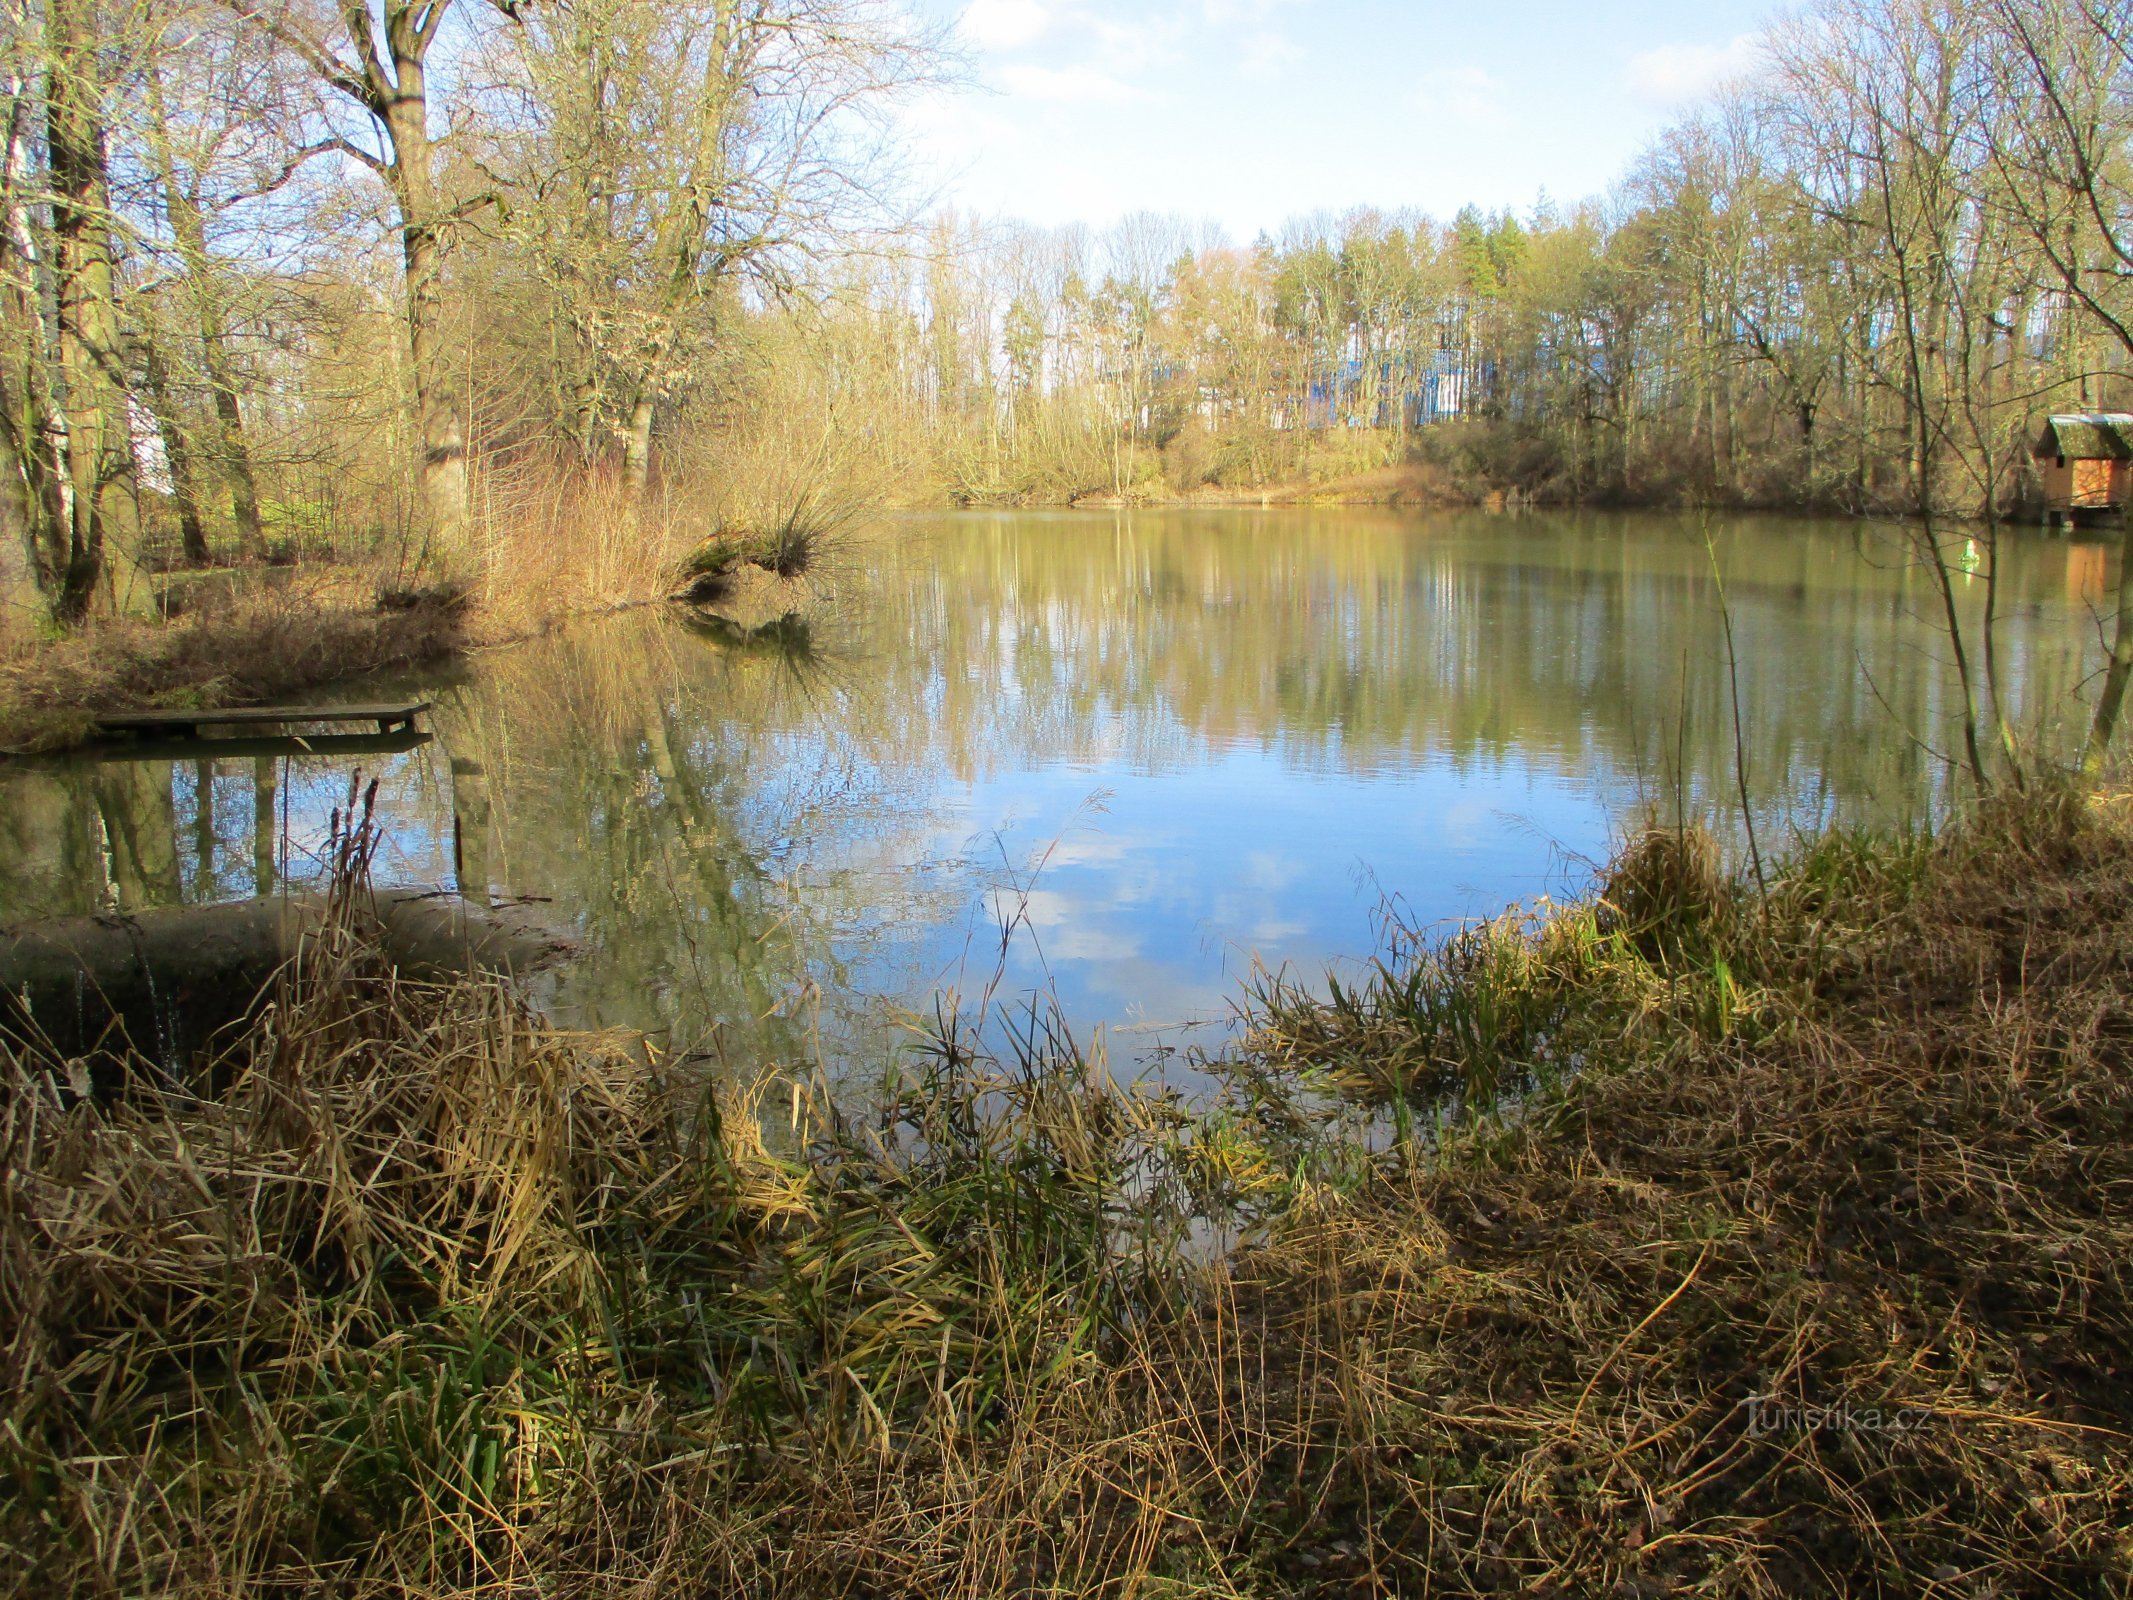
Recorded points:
(1169, 744)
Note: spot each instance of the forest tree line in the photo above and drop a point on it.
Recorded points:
(295, 278)
(1857, 280)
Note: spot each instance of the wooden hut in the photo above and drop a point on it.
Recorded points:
(2086, 461)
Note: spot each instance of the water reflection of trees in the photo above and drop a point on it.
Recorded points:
(1351, 641)
(730, 822)
(692, 805)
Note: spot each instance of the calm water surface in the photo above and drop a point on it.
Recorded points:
(1165, 746)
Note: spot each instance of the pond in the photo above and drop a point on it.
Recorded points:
(1160, 747)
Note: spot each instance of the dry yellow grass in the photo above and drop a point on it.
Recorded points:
(1785, 1254)
(266, 642)
(554, 545)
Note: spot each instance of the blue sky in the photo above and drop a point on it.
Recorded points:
(1249, 112)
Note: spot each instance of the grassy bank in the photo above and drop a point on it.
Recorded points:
(1691, 1237)
(1458, 462)
(248, 634)
(252, 649)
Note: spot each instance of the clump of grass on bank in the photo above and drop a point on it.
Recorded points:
(785, 547)
(1685, 1238)
(259, 644)
(755, 575)
(783, 500)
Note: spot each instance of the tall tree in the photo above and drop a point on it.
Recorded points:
(225, 134)
(686, 146)
(33, 434)
(98, 438)
(376, 55)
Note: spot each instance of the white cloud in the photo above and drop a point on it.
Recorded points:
(1081, 38)
(1070, 84)
(1093, 944)
(1087, 847)
(1149, 40)
(1004, 24)
(1676, 74)
(1266, 52)
(1040, 908)
(1263, 869)
(1470, 95)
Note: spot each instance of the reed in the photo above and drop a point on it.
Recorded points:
(1740, 1244)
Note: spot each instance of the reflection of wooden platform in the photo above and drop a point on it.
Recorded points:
(156, 747)
(189, 723)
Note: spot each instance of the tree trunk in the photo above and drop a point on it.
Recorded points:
(233, 456)
(28, 506)
(444, 444)
(233, 452)
(34, 425)
(20, 602)
(443, 439)
(586, 404)
(678, 248)
(439, 430)
(1807, 444)
(177, 454)
(88, 314)
(637, 447)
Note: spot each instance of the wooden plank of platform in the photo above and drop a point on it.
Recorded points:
(399, 714)
(235, 747)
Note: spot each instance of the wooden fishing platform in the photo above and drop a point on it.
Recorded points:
(187, 724)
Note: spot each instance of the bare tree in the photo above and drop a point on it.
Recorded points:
(2063, 144)
(1875, 98)
(682, 149)
(377, 57)
(219, 128)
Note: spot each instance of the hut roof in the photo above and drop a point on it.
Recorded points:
(2088, 436)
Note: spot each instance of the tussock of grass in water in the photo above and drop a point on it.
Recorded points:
(1767, 1246)
(785, 549)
